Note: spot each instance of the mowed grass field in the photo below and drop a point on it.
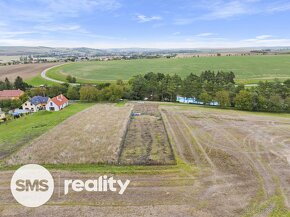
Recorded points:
(248, 69)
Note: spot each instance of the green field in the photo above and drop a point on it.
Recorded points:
(17, 132)
(248, 69)
(38, 80)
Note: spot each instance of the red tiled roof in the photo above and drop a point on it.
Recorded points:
(11, 93)
(59, 100)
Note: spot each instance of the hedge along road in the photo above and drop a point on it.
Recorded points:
(43, 75)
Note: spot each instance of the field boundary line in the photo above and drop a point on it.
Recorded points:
(167, 135)
(122, 144)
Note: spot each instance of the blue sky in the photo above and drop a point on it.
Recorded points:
(145, 23)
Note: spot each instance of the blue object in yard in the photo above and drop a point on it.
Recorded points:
(19, 112)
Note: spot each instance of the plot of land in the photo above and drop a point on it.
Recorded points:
(146, 141)
(246, 154)
(26, 71)
(229, 164)
(16, 133)
(92, 136)
(247, 68)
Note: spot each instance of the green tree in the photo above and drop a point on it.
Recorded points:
(20, 84)
(275, 103)
(73, 93)
(243, 100)
(88, 93)
(287, 104)
(138, 87)
(8, 85)
(71, 79)
(112, 93)
(205, 97)
(223, 98)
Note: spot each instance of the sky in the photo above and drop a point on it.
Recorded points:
(145, 23)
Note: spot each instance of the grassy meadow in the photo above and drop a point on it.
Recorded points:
(248, 69)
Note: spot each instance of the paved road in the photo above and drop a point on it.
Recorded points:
(43, 75)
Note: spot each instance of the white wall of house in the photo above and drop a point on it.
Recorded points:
(28, 106)
(51, 106)
(2, 115)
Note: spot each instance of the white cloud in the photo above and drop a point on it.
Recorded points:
(263, 36)
(55, 28)
(278, 7)
(144, 19)
(222, 10)
(205, 34)
(13, 34)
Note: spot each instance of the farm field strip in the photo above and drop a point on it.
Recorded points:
(248, 69)
(146, 141)
(92, 136)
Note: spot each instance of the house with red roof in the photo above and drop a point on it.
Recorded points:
(10, 94)
(56, 103)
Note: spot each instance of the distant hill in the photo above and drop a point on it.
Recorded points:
(83, 51)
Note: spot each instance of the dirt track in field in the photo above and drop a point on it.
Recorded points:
(246, 155)
(91, 136)
(237, 164)
(26, 71)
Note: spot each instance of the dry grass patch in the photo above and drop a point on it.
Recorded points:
(92, 136)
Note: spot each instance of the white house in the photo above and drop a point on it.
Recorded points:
(57, 103)
(28, 106)
(35, 104)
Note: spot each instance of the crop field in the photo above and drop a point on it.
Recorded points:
(26, 71)
(248, 69)
(91, 136)
(146, 141)
(228, 163)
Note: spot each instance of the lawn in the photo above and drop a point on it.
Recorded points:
(16, 133)
(248, 69)
(38, 80)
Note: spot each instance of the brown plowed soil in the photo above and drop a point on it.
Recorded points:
(26, 71)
